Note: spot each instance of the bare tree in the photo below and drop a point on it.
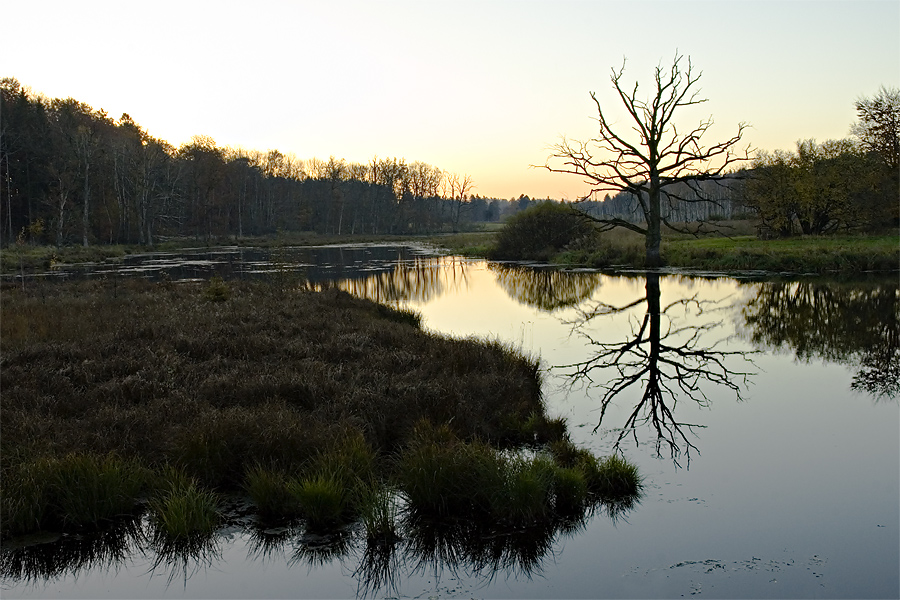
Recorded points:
(656, 159)
(459, 188)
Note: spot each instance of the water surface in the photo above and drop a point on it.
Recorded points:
(763, 414)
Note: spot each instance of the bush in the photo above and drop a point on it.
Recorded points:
(542, 231)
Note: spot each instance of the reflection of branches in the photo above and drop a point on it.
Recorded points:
(546, 289)
(669, 363)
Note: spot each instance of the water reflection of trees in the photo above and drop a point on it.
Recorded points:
(419, 280)
(545, 289)
(667, 357)
(856, 324)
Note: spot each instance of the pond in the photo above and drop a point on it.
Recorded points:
(762, 412)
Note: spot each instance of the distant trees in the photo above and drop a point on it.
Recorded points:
(878, 131)
(820, 188)
(89, 178)
(655, 157)
(837, 185)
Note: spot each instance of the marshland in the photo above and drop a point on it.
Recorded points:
(229, 372)
(230, 413)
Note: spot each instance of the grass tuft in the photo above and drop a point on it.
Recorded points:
(78, 490)
(182, 509)
(322, 499)
(268, 489)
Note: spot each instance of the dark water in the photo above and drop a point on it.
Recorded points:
(762, 412)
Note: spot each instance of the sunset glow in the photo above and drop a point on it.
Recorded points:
(481, 88)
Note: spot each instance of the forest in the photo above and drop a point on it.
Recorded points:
(71, 174)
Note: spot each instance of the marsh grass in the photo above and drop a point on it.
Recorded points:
(615, 479)
(75, 491)
(443, 477)
(217, 290)
(307, 401)
(570, 491)
(182, 509)
(379, 513)
(322, 498)
(268, 488)
(818, 254)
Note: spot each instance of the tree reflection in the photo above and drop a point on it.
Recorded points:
(545, 289)
(666, 357)
(419, 281)
(851, 323)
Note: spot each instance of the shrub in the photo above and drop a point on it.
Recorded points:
(542, 231)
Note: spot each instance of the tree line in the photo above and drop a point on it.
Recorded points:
(852, 184)
(73, 174)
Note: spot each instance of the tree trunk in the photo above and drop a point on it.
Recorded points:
(653, 259)
(85, 222)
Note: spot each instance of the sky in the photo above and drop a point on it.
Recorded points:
(482, 88)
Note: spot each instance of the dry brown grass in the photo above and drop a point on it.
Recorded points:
(161, 373)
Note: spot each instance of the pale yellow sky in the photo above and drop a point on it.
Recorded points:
(482, 88)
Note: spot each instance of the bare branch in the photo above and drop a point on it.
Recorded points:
(654, 154)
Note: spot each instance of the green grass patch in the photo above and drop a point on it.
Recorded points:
(183, 509)
(443, 477)
(801, 254)
(74, 491)
(268, 488)
(322, 498)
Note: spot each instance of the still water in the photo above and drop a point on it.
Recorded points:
(762, 412)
